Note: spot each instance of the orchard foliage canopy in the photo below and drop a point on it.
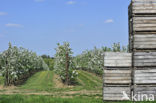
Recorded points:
(17, 64)
(92, 60)
(61, 60)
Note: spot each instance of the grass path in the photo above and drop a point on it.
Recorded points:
(40, 81)
(48, 83)
(46, 87)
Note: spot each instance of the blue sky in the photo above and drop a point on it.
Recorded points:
(40, 24)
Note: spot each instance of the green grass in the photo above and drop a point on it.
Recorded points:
(45, 99)
(43, 81)
(40, 81)
(89, 81)
(50, 99)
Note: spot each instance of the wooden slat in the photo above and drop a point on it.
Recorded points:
(117, 75)
(144, 59)
(144, 11)
(115, 93)
(117, 71)
(144, 1)
(117, 59)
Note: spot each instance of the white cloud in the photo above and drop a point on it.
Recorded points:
(13, 25)
(3, 13)
(39, 0)
(109, 21)
(71, 2)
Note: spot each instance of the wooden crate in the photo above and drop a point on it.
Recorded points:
(112, 59)
(144, 23)
(117, 76)
(144, 59)
(115, 93)
(143, 7)
(145, 76)
(142, 91)
(144, 41)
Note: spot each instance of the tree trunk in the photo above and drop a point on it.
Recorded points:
(6, 75)
(67, 69)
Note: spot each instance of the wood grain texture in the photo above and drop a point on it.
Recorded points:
(144, 1)
(146, 41)
(143, 6)
(145, 90)
(144, 23)
(144, 59)
(117, 76)
(117, 59)
(115, 93)
(145, 76)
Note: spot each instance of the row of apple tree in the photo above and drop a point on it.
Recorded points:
(17, 64)
(92, 60)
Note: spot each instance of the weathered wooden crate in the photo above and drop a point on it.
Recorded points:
(145, 76)
(144, 41)
(117, 59)
(143, 6)
(117, 70)
(117, 76)
(144, 23)
(144, 59)
(142, 44)
(115, 93)
(144, 93)
(142, 33)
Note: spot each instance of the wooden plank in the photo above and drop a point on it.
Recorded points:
(143, 54)
(117, 57)
(144, 6)
(118, 68)
(145, 33)
(145, 29)
(117, 77)
(117, 74)
(144, 1)
(116, 71)
(146, 70)
(115, 93)
(144, 59)
(112, 59)
(121, 81)
(117, 54)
